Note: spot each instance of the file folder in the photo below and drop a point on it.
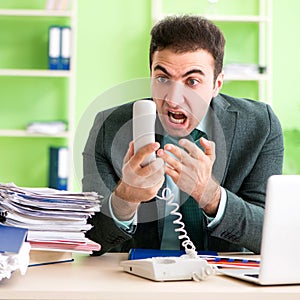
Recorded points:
(65, 47)
(54, 48)
(58, 169)
(11, 238)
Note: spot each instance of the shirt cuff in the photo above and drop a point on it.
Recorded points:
(217, 219)
(129, 225)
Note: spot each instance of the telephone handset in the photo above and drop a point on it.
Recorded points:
(143, 118)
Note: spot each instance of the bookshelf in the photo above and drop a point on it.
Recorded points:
(247, 26)
(31, 92)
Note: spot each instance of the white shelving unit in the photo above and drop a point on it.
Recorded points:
(71, 15)
(264, 21)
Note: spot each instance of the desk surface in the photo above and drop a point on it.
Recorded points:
(103, 278)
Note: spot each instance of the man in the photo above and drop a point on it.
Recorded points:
(218, 180)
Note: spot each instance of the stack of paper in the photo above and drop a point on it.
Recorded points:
(51, 127)
(14, 251)
(56, 220)
(241, 69)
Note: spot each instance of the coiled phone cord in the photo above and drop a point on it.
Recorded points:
(186, 243)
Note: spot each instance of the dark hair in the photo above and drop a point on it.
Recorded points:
(188, 33)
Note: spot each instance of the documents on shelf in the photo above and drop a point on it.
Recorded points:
(56, 220)
(14, 251)
(47, 127)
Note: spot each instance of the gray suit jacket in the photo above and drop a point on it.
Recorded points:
(249, 149)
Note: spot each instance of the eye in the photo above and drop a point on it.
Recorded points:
(162, 79)
(192, 82)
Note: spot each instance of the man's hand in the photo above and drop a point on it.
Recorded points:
(138, 184)
(191, 170)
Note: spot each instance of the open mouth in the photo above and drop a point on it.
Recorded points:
(176, 117)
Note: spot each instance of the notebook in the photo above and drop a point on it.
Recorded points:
(280, 248)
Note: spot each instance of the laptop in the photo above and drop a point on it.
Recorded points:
(280, 248)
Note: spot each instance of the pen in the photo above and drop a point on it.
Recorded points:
(232, 261)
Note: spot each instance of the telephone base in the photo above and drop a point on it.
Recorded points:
(168, 268)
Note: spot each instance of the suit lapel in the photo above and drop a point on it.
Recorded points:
(223, 131)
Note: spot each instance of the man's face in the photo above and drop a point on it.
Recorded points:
(182, 87)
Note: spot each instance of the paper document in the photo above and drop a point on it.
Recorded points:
(54, 219)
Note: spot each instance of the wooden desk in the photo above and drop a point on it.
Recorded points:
(103, 278)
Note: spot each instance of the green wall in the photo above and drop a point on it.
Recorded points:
(112, 48)
(116, 50)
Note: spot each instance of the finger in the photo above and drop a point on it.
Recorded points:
(140, 155)
(155, 174)
(172, 156)
(129, 152)
(191, 148)
(209, 147)
(152, 168)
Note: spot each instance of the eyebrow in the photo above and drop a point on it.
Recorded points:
(161, 68)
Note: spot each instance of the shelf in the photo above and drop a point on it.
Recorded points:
(35, 73)
(245, 77)
(24, 133)
(46, 89)
(35, 13)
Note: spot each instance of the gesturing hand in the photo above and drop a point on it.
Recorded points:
(191, 170)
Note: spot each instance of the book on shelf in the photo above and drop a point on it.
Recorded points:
(57, 4)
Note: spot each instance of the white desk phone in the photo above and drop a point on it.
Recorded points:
(188, 266)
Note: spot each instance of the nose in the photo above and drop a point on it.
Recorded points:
(175, 94)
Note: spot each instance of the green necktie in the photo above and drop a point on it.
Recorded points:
(191, 213)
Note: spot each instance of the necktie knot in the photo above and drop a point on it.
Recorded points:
(196, 134)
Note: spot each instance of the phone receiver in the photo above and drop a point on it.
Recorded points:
(143, 118)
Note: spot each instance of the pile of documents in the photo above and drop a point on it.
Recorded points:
(14, 251)
(51, 127)
(241, 69)
(56, 220)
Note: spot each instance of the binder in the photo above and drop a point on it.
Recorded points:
(65, 47)
(138, 253)
(58, 168)
(54, 47)
(12, 238)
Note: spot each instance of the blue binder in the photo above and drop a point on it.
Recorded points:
(65, 53)
(11, 238)
(138, 253)
(59, 48)
(58, 168)
(54, 46)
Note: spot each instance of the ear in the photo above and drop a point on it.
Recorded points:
(218, 84)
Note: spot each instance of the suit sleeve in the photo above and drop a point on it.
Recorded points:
(245, 186)
(96, 157)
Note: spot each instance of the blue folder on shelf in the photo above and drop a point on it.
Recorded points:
(11, 238)
(58, 168)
